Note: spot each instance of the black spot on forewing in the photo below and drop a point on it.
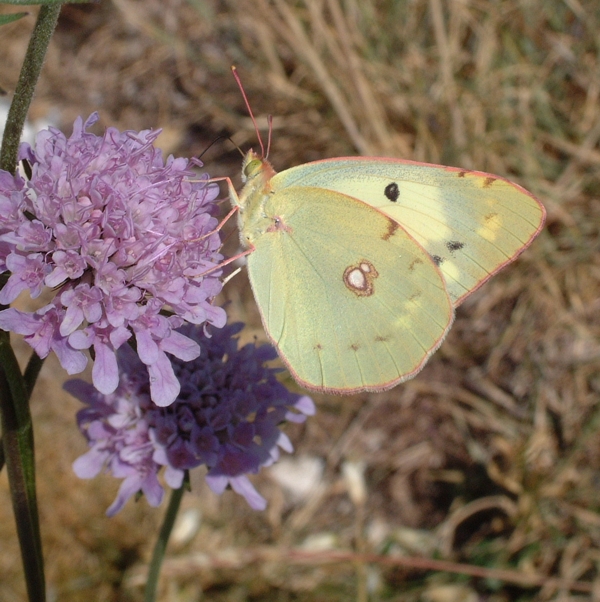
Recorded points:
(488, 181)
(437, 260)
(392, 192)
(454, 245)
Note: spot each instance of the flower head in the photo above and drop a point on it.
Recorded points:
(226, 417)
(121, 234)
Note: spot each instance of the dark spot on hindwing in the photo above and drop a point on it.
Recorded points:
(462, 174)
(414, 263)
(392, 227)
(437, 260)
(488, 181)
(454, 245)
(392, 192)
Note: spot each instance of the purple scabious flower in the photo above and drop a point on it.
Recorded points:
(226, 417)
(121, 235)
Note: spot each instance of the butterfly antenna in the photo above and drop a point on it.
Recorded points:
(239, 83)
(221, 137)
(236, 146)
(270, 120)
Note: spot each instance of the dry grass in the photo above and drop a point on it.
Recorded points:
(491, 456)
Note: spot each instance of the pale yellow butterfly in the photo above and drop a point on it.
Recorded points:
(357, 263)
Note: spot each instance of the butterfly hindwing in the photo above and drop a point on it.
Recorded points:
(471, 223)
(349, 298)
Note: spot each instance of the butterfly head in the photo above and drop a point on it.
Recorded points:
(256, 173)
(252, 165)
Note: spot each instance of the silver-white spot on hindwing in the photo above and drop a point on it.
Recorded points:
(359, 278)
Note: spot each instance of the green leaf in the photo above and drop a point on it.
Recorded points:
(4, 19)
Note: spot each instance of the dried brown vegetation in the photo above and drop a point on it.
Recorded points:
(491, 456)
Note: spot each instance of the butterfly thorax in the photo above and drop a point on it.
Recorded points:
(252, 218)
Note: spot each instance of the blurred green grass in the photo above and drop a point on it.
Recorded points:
(491, 456)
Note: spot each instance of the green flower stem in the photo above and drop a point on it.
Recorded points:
(17, 428)
(161, 543)
(17, 440)
(30, 72)
(32, 371)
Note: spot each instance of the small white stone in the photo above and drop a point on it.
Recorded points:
(298, 476)
(354, 478)
(186, 526)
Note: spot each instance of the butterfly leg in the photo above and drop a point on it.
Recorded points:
(233, 195)
(229, 260)
(223, 221)
(234, 200)
(215, 231)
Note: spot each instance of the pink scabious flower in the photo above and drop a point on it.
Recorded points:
(122, 236)
(226, 417)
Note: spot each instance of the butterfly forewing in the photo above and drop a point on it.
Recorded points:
(470, 223)
(351, 300)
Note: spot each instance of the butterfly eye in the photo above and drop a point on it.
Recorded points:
(252, 167)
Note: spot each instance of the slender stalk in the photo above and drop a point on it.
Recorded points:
(32, 371)
(17, 440)
(30, 72)
(17, 428)
(161, 544)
